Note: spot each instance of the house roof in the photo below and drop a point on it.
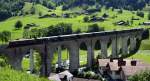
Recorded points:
(146, 22)
(127, 68)
(114, 65)
(103, 62)
(132, 70)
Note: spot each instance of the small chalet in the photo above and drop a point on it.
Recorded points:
(135, 19)
(96, 19)
(121, 69)
(66, 15)
(121, 23)
(146, 23)
(53, 15)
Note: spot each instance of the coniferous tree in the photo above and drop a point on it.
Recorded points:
(86, 19)
(94, 28)
(18, 25)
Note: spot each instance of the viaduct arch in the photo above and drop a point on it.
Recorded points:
(46, 46)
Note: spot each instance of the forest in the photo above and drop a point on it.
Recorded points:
(9, 8)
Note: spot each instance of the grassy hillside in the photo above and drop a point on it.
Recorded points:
(77, 22)
(7, 74)
(144, 57)
(38, 8)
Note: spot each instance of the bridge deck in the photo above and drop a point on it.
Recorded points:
(25, 42)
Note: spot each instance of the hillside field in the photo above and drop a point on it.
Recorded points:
(77, 22)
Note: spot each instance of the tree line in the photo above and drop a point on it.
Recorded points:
(118, 4)
(58, 29)
(5, 36)
(61, 29)
(9, 8)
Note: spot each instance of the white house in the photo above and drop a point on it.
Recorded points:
(121, 69)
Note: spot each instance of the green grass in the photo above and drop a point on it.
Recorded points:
(145, 45)
(143, 57)
(7, 74)
(76, 22)
(26, 64)
(38, 8)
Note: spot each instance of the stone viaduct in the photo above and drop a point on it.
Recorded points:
(46, 46)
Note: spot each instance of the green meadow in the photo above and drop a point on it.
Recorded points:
(77, 22)
(8, 74)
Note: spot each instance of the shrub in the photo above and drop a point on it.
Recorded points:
(96, 76)
(26, 27)
(3, 61)
(143, 76)
(94, 28)
(63, 28)
(88, 75)
(45, 16)
(78, 31)
(75, 73)
(26, 34)
(105, 15)
(99, 56)
(5, 36)
(18, 24)
(86, 19)
(140, 14)
(40, 14)
(26, 13)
